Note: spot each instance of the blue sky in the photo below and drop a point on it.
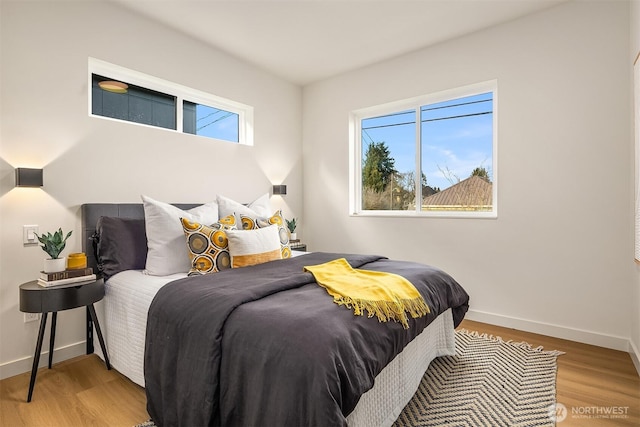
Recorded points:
(215, 123)
(453, 144)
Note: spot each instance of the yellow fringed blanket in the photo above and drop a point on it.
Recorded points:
(385, 295)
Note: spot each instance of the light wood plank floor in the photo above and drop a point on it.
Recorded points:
(81, 392)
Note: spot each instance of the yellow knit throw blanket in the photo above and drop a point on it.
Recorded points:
(385, 295)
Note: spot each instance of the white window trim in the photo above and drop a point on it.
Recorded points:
(182, 93)
(355, 150)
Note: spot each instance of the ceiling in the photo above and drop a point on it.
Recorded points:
(304, 41)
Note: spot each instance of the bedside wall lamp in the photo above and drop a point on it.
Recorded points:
(279, 190)
(26, 177)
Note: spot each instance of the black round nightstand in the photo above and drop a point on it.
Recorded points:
(298, 246)
(38, 299)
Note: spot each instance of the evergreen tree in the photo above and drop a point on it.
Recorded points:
(378, 168)
(481, 172)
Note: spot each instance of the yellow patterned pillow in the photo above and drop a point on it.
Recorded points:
(250, 223)
(208, 245)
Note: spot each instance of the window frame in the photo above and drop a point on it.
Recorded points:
(356, 157)
(182, 93)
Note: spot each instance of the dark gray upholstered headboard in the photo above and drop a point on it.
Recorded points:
(90, 212)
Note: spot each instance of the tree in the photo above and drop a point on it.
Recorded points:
(481, 172)
(379, 167)
(408, 183)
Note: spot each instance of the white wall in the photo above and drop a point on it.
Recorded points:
(45, 48)
(557, 258)
(634, 20)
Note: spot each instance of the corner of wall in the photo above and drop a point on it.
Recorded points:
(634, 44)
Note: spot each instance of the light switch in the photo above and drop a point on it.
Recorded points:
(29, 234)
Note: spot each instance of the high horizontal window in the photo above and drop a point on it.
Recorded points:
(122, 94)
(428, 156)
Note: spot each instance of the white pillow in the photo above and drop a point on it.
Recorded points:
(259, 207)
(251, 247)
(167, 252)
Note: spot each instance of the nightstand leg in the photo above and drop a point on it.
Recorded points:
(52, 338)
(92, 311)
(89, 332)
(36, 356)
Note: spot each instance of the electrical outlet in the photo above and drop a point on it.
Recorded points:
(31, 317)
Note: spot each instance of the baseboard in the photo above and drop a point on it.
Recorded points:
(20, 366)
(586, 337)
(635, 356)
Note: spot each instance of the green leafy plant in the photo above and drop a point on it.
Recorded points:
(291, 225)
(53, 244)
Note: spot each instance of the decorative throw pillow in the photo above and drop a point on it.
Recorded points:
(165, 238)
(251, 247)
(208, 245)
(121, 245)
(253, 223)
(259, 207)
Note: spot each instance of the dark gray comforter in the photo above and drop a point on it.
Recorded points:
(266, 346)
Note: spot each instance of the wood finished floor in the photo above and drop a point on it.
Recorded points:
(81, 392)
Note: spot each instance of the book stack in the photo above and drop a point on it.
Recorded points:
(294, 244)
(78, 276)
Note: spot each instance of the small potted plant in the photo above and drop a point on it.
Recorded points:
(291, 225)
(53, 245)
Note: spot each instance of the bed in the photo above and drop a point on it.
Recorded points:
(222, 370)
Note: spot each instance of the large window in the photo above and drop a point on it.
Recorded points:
(429, 156)
(122, 94)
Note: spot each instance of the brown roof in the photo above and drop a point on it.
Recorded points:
(473, 193)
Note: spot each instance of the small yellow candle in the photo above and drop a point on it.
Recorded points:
(76, 261)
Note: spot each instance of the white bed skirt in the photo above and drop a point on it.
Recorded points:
(397, 383)
(128, 296)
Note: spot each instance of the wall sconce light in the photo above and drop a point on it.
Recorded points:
(26, 177)
(279, 190)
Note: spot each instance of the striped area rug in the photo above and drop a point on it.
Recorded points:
(489, 382)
